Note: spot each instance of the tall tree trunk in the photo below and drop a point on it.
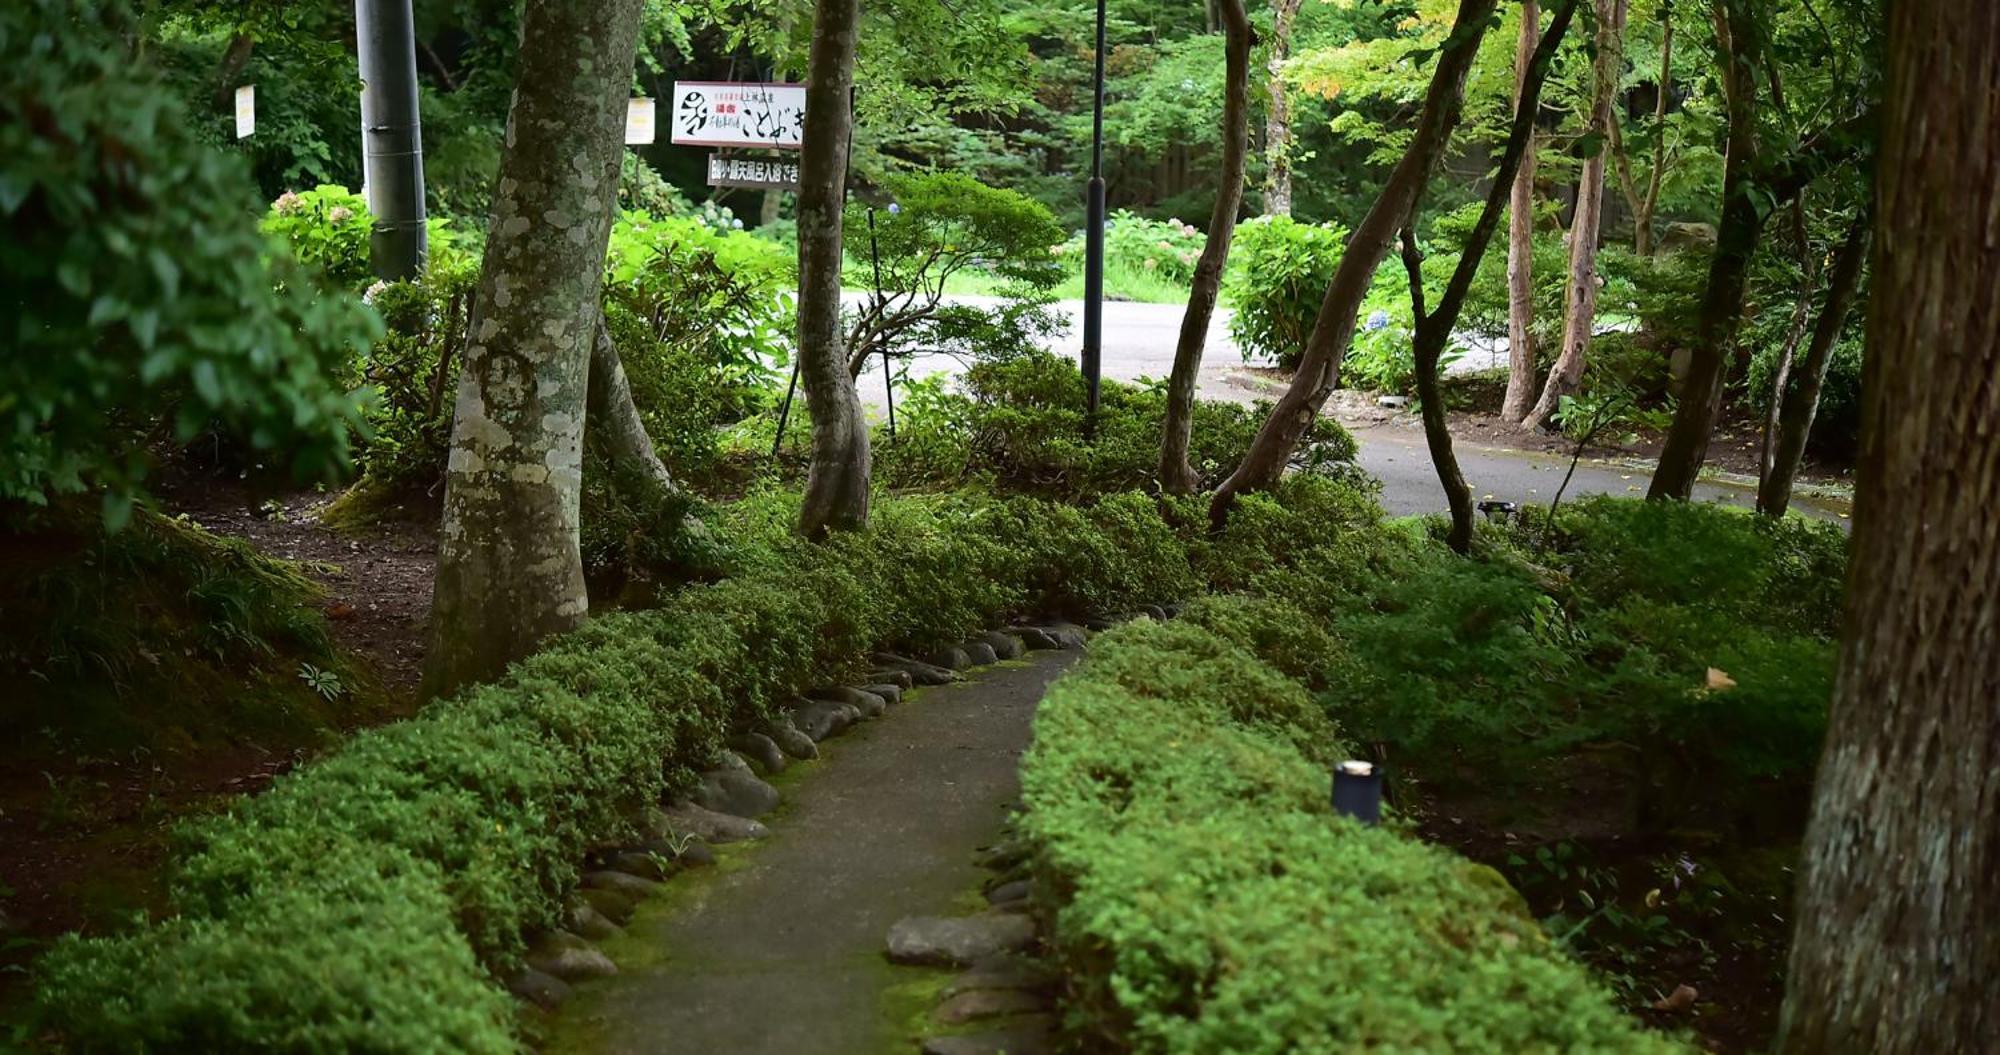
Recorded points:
(1278, 117)
(836, 496)
(1795, 335)
(1333, 333)
(1176, 475)
(1897, 945)
(1797, 407)
(234, 58)
(1742, 226)
(614, 418)
(1434, 328)
(1580, 301)
(509, 573)
(1521, 242)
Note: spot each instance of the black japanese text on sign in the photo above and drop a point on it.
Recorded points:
(724, 114)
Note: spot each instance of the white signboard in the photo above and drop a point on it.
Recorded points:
(723, 114)
(752, 172)
(639, 127)
(246, 110)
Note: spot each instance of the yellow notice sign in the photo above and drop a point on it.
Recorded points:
(639, 125)
(246, 110)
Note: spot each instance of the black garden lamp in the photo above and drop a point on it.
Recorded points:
(1357, 791)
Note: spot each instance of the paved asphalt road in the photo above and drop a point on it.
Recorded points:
(1139, 342)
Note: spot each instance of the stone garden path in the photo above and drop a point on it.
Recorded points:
(779, 949)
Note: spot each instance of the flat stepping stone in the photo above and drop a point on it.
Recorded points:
(957, 941)
(763, 752)
(630, 886)
(688, 818)
(891, 693)
(824, 719)
(920, 673)
(975, 1004)
(736, 792)
(896, 676)
(789, 740)
(539, 988)
(1034, 1035)
(1004, 646)
(871, 705)
(563, 955)
(1004, 970)
(1011, 891)
(580, 918)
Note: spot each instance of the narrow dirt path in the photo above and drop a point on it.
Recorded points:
(780, 948)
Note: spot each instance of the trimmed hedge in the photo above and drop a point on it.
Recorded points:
(1207, 900)
(368, 901)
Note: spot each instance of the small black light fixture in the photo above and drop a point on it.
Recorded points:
(1497, 512)
(1357, 791)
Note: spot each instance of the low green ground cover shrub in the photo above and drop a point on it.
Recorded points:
(1018, 428)
(1206, 899)
(369, 895)
(1596, 633)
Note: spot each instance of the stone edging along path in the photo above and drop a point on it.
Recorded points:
(778, 944)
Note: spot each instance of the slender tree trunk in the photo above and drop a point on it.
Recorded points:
(509, 573)
(837, 482)
(1176, 475)
(614, 418)
(1333, 333)
(1797, 407)
(1795, 335)
(234, 59)
(1649, 207)
(1686, 446)
(1434, 328)
(1897, 945)
(1521, 242)
(1278, 118)
(1580, 303)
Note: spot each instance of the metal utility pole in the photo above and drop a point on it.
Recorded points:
(391, 137)
(1093, 241)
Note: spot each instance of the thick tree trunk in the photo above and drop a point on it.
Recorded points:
(836, 496)
(509, 574)
(1176, 475)
(614, 418)
(1333, 333)
(1521, 243)
(1580, 299)
(1795, 406)
(234, 59)
(1897, 945)
(1434, 328)
(1278, 117)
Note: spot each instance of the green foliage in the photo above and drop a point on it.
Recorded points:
(413, 371)
(327, 228)
(1279, 274)
(453, 832)
(159, 635)
(1602, 637)
(1019, 426)
(145, 304)
(1176, 797)
(938, 226)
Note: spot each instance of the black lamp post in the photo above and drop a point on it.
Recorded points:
(1093, 242)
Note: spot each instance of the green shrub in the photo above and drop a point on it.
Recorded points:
(1277, 279)
(1163, 249)
(463, 827)
(1206, 900)
(142, 302)
(1019, 426)
(328, 228)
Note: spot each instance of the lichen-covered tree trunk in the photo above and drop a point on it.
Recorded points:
(1278, 112)
(1521, 243)
(1897, 943)
(1333, 333)
(1176, 475)
(509, 573)
(1797, 405)
(1580, 297)
(837, 482)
